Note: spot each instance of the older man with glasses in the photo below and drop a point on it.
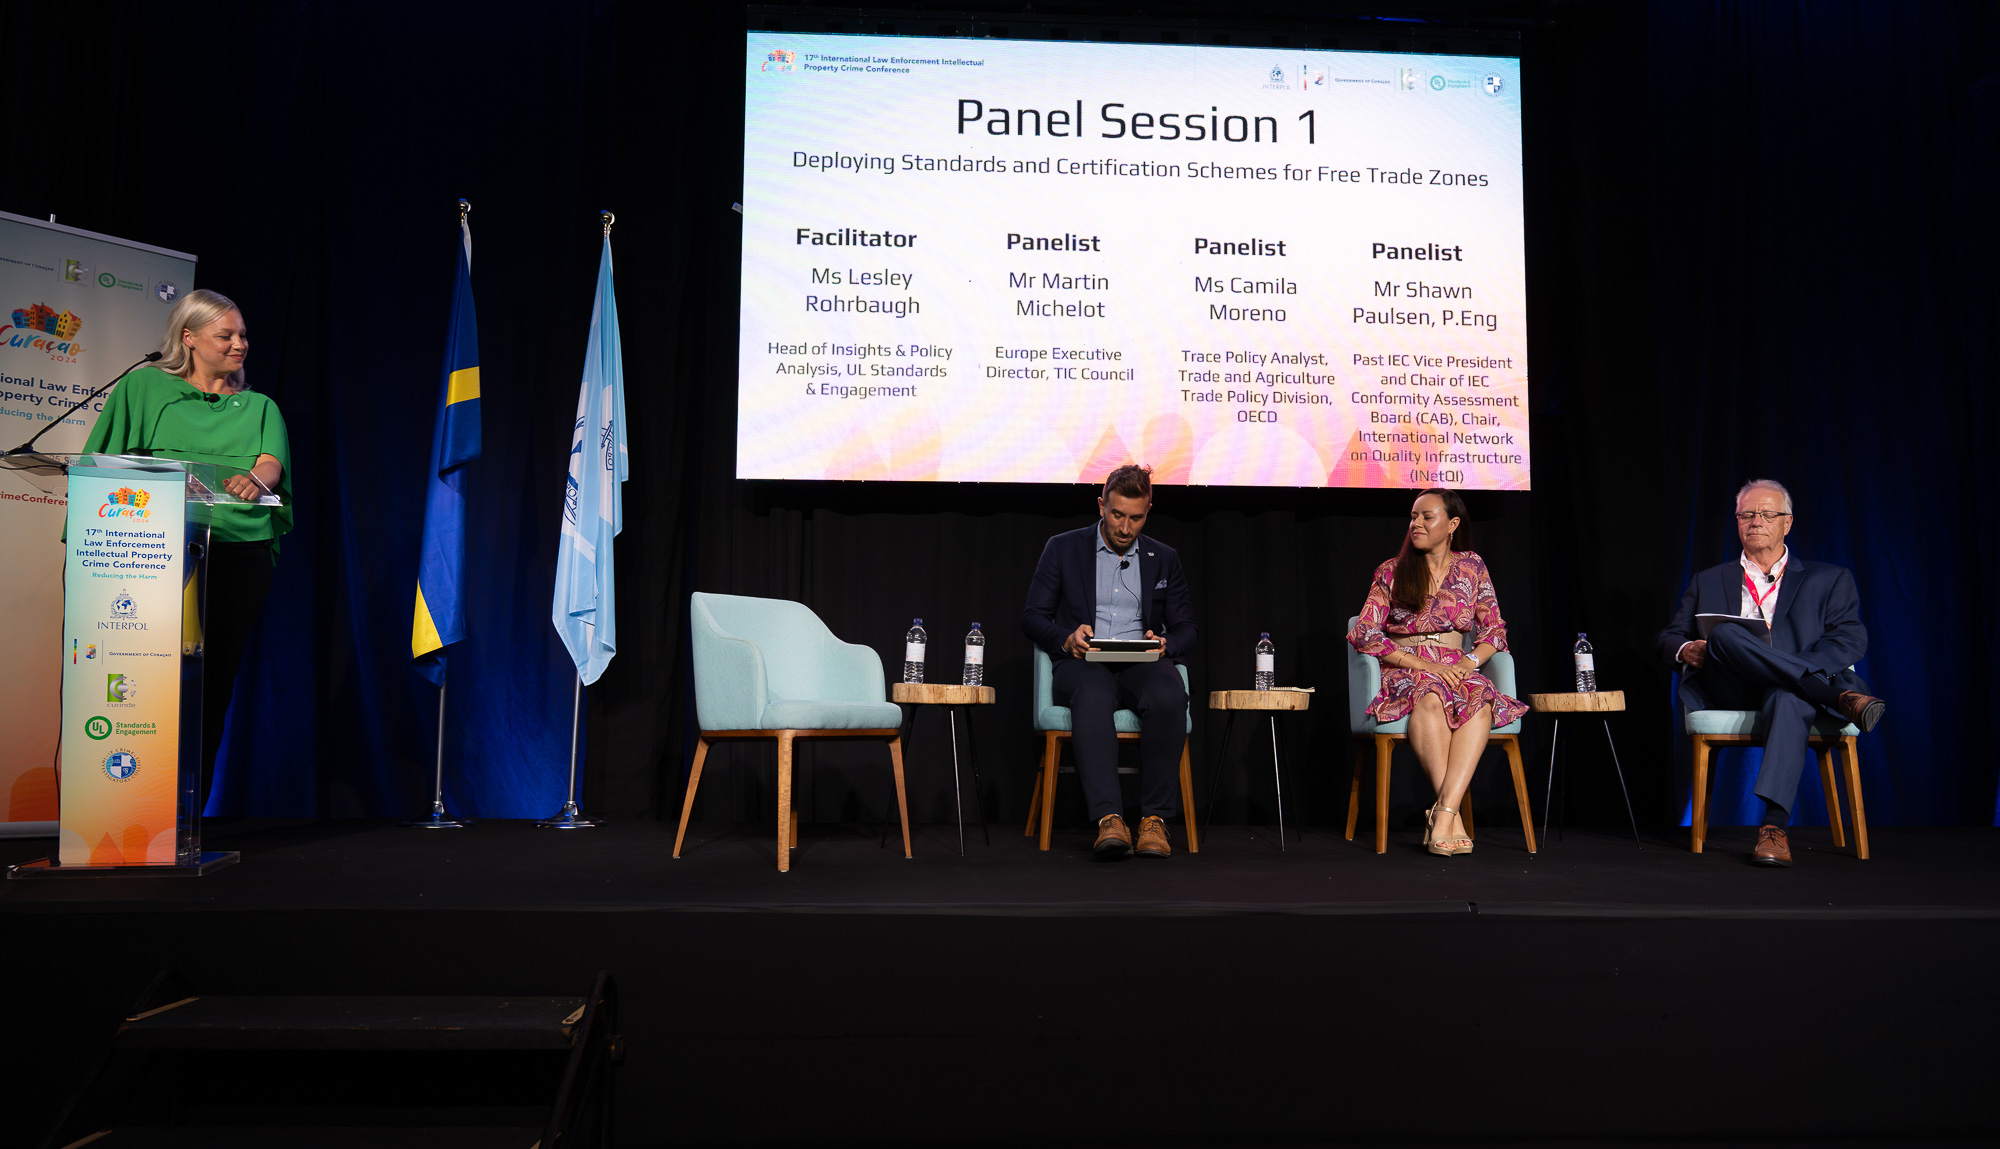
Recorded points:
(1790, 672)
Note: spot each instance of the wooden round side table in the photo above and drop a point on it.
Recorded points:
(1272, 702)
(1595, 702)
(912, 695)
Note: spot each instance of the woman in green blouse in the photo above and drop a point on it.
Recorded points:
(195, 405)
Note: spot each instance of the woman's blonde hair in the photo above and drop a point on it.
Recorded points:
(196, 310)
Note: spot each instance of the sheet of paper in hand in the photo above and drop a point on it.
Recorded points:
(1708, 623)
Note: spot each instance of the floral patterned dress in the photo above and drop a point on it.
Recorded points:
(1464, 602)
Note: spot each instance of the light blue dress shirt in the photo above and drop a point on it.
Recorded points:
(1121, 611)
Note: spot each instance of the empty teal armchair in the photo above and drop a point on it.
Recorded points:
(1053, 723)
(769, 668)
(1364, 682)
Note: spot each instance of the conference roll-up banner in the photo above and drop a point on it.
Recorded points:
(75, 308)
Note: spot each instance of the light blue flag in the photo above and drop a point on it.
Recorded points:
(586, 603)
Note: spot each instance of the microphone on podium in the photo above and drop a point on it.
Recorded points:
(149, 357)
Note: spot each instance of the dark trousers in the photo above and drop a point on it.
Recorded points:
(1153, 690)
(239, 579)
(1741, 672)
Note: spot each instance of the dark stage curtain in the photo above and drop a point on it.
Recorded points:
(1824, 245)
(1761, 245)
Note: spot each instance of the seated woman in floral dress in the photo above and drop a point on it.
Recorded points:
(1420, 606)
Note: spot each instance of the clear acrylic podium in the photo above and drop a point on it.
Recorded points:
(135, 596)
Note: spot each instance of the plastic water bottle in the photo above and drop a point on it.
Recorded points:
(1267, 662)
(913, 652)
(975, 657)
(1586, 666)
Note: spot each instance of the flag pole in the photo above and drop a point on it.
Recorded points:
(439, 820)
(569, 817)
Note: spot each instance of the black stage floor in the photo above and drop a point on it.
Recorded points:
(1596, 993)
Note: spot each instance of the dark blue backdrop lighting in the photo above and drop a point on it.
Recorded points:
(1762, 243)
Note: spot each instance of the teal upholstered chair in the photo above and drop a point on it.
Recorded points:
(1708, 729)
(769, 668)
(1364, 682)
(1053, 723)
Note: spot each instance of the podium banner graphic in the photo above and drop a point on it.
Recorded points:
(121, 669)
(75, 308)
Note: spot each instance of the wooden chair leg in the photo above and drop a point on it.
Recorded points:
(1513, 746)
(1034, 804)
(1698, 814)
(1354, 788)
(1187, 801)
(1384, 747)
(1849, 745)
(1832, 794)
(1051, 759)
(1465, 812)
(784, 800)
(902, 800)
(694, 782)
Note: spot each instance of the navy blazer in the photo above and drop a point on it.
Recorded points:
(1063, 594)
(1819, 614)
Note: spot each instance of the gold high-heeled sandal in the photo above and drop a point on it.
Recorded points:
(1438, 846)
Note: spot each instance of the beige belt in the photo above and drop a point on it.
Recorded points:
(1450, 638)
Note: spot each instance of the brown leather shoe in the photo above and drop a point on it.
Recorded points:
(1153, 838)
(1772, 848)
(1114, 841)
(1863, 710)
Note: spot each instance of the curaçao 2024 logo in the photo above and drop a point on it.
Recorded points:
(126, 503)
(41, 328)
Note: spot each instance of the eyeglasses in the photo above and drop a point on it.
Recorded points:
(1767, 516)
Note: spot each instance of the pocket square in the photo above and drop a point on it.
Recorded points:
(1161, 585)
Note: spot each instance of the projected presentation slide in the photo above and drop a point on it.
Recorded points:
(1011, 261)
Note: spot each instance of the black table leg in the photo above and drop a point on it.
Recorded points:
(1549, 791)
(978, 792)
(1214, 766)
(1277, 741)
(1621, 785)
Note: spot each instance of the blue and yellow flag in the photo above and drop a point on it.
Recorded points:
(440, 618)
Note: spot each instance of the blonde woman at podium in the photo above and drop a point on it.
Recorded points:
(195, 405)
(1421, 605)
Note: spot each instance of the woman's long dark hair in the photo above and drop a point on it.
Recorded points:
(1412, 582)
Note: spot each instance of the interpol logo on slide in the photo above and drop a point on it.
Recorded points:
(120, 765)
(122, 605)
(98, 728)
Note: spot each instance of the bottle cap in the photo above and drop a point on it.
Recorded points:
(916, 622)
(1264, 634)
(975, 626)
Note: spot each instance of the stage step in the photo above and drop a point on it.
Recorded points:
(185, 1068)
(310, 1137)
(356, 1024)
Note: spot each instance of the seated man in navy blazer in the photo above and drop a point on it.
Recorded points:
(1108, 581)
(1814, 615)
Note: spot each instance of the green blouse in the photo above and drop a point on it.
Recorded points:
(155, 412)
